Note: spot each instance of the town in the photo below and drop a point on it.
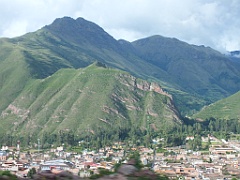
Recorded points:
(220, 161)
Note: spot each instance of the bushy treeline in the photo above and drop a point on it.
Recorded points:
(100, 137)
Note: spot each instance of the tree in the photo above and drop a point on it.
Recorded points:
(208, 144)
(147, 140)
(31, 173)
(8, 174)
(136, 157)
(211, 126)
(197, 142)
(70, 138)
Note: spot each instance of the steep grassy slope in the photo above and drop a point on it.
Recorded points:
(91, 98)
(195, 75)
(228, 108)
(76, 43)
(14, 72)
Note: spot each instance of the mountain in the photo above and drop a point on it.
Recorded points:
(227, 108)
(94, 99)
(75, 44)
(195, 69)
(235, 54)
(194, 75)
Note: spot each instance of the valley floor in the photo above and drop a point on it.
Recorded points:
(220, 161)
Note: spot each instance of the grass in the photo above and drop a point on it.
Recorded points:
(48, 50)
(227, 108)
(40, 77)
(90, 98)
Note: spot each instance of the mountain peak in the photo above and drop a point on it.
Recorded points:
(65, 18)
(68, 24)
(81, 31)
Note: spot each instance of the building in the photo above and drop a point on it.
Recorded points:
(3, 155)
(56, 164)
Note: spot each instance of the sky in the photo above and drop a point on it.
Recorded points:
(214, 23)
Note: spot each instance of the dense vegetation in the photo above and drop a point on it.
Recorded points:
(7, 175)
(48, 87)
(219, 128)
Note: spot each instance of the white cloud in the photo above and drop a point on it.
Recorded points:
(16, 28)
(212, 23)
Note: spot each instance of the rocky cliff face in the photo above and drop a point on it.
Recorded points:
(142, 85)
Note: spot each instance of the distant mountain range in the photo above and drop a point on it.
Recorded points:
(235, 54)
(194, 75)
(37, 67)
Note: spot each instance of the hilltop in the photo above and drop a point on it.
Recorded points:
(194, 75)
(95, 100)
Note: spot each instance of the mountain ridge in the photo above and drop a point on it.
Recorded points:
(97, 98)
(194, 75)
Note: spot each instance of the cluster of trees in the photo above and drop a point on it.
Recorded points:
(130, 135)
(7, 175)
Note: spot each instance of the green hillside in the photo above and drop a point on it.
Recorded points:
(228, 108)
(197, 70)
(194, 75)
(49, 85)
(14, 72)
(94, 99)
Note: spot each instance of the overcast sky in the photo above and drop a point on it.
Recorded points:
(214, 23)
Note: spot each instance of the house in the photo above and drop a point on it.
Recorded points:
(4, 148)
(166, 170)
(56, 164)
(9, 166)
(60, 148)
(189, 138)
(223, 150)
(80, 166)
(3, 155)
